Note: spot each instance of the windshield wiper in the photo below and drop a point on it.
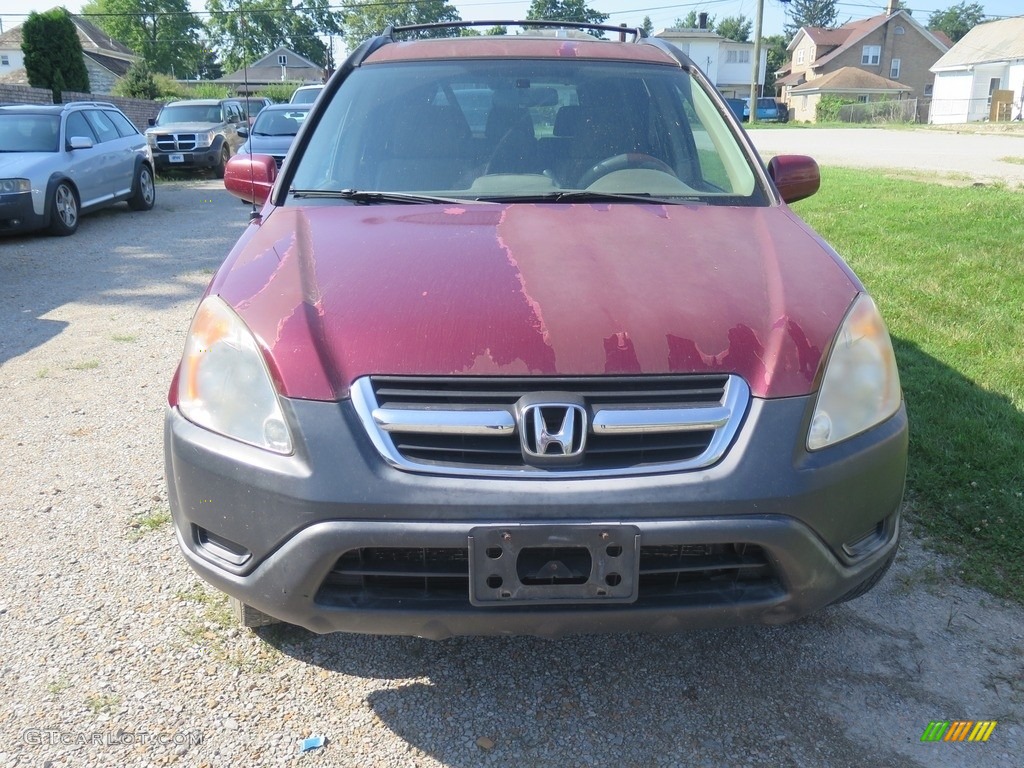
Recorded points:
(364, 197)
(587, 196)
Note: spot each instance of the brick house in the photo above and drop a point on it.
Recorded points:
(892, 47)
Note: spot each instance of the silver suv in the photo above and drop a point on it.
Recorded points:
(199, 133)
(59, 161)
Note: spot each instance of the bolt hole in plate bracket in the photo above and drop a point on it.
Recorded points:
(553, 564)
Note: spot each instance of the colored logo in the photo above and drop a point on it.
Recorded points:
(958, 730)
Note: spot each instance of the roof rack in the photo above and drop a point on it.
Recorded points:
(636, 32)
(89, 104)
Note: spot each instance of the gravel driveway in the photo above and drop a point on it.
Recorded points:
(114, 654)
(923, 153)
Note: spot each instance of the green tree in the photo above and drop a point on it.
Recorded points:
(811, 13)
(692, 21)
(498, 30)
(367, 18)
(566, 10)
(647, 26)
(53, 53)
(247, 30)
(735, 28)
(957, 20)
(775, 47)
(138, 83)
(163, 32)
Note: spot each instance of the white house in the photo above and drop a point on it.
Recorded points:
(725, 62)
(989, 58)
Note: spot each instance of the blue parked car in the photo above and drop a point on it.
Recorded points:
(768, 110)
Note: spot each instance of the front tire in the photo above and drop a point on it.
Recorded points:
(64, 211)
(225, 155)
(144, 194)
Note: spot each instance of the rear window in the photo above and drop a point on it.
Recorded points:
(489, 129)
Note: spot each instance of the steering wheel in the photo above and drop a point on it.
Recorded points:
(621, 163)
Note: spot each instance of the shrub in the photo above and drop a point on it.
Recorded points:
(828, 107)
(138, 83)
(279, 93)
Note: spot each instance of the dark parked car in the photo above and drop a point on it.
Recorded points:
(579, 369)
(58, 162)
(197, 134)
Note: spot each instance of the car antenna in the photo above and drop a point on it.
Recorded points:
(254, 213)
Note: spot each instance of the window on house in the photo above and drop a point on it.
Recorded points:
(871, 55)
(900, 30)
(800, 56)
(282, 59)
(894, 69)
(863, 99)
(928, 90)
(5, 61)
(730, 57)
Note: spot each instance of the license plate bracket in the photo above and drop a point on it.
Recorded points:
(553, 564)
(177, 158)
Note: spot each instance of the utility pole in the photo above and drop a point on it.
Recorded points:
(756, 67)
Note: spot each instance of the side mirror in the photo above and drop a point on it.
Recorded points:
(250, 177)
(243, 132)
(151, 121)
(795, 176)
(79, 142)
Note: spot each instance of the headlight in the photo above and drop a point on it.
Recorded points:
(861, 386)
(205, 139)
(224, 384)
(9, 186)
(151, 139)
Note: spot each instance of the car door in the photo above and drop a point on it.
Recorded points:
(233, 119)
(116, 157)
(131, 143)
(84, 166)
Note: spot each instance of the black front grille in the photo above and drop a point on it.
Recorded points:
(425, 576)
(176, 142)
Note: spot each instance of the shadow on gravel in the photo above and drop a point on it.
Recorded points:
(117, 258)
(620, 700)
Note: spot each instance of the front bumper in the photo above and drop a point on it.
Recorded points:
(204, 158)
(17, 213)
(273, 531)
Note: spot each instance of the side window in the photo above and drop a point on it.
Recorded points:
(234, 113)
(76, 126)
(105, 129)
(123, 125)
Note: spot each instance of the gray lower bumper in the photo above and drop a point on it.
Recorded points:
(826, 522)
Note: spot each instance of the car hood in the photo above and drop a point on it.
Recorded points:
(267, 145)
(183, 128)
(335, 292)
(26, 164)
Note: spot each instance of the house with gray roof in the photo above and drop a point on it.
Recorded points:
(985, 65)
(106, 59)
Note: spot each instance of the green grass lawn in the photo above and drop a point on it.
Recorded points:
(946, 266)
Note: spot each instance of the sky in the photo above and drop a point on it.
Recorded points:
(630, 12)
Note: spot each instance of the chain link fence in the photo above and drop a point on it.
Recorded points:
(901, 111)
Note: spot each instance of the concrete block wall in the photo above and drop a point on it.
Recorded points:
(138, 110)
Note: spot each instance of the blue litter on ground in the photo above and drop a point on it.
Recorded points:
(313, 742)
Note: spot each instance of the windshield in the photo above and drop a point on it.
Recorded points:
(29, 133)
(527, 129)
(279, 122)
(189, 113)
(305, 95)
